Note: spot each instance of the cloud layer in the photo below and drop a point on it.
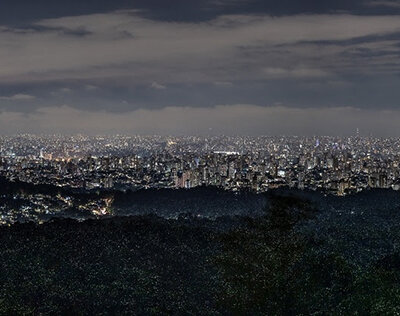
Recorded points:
(127, 63)
(118, 43)
(223, 119)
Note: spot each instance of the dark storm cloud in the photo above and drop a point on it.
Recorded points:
(395, 36)
(20, 12)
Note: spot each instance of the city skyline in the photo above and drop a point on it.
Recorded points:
(331, 165)
(229, 67)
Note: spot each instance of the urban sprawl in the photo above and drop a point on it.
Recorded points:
(335, 165)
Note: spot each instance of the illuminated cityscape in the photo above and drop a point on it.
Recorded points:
(331, 165)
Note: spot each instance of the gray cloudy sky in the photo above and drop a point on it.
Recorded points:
(198, 67)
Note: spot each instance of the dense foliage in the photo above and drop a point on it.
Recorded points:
(270, 267)
(142, 265)
(294, 260)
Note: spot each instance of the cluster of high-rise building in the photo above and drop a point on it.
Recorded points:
(337, 165)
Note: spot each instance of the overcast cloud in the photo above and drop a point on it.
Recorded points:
(145, 67)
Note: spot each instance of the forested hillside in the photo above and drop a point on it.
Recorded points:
(294, 259)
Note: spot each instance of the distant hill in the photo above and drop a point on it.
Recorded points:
(210, 202)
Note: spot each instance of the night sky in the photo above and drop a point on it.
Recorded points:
(253, 67)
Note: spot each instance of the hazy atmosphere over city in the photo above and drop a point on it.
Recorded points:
(252, 67)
